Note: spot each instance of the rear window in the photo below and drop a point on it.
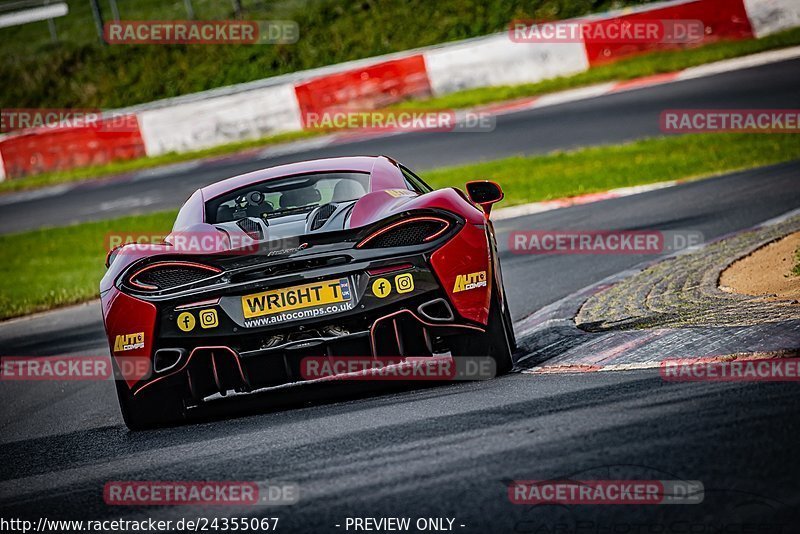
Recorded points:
(284, 196)
(414, 182)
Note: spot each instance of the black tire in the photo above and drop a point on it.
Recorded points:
(495, 342)
(509, 324)
(152, 409)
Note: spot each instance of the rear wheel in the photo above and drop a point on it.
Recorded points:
(154, 408)
(496, 342)
(509, 324)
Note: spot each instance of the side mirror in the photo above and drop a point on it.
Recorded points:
(484, 193)
(112, 254)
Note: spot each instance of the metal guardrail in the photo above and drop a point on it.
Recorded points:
(27, 11)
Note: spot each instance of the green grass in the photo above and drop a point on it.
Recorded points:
(49, 268)
(557, 175)
(635, 67)
(796, 268)
(78, 72)
(645, 65)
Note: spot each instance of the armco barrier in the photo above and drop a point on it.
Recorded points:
(266, 107)
(221, 119)
(59, 149)
(723, 19)
(770, 16)
(496, 60)
(370, 87)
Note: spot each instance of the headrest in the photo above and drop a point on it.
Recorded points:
(347, 190)
(300, 197)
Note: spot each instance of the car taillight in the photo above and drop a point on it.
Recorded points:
(166, 275)
(406, 232)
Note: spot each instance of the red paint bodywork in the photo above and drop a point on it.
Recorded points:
(124, 314)
(466, 253)
(469, 251)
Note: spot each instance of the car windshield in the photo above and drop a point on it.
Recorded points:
(286, 196)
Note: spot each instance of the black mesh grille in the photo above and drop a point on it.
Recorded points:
(413, 233)
(322, 216)
(250, 227)
(290, 267)
(167, 277)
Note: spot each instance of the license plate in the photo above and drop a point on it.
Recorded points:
(296, 298)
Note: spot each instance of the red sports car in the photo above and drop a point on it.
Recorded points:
(341, 256)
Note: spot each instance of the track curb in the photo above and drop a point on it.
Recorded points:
(552, 342)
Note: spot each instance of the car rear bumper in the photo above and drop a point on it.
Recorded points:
(221, 350)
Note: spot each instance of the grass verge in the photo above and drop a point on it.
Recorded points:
(644, 65)
(49, 268)
(54, 267)
(590, 170)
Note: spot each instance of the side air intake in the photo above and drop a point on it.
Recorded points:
(167, 275)
(406, 232)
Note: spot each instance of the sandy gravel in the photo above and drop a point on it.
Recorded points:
(766, 272)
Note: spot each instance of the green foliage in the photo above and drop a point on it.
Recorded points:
(79, 72)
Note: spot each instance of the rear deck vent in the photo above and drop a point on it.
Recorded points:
(251, 228)
(323, 214)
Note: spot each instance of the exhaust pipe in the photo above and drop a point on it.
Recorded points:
(436, 310)
(166, 359)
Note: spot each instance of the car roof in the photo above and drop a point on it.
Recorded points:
(343, 164)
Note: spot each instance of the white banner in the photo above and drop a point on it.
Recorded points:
(205, 123)
(770, 16)
(496, 60)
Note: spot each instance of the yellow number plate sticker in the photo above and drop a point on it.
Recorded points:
(296, 298)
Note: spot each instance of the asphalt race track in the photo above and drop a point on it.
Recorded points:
(607, 119)
(447, 451)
